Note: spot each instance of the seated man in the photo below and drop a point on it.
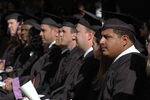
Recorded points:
(126, 76)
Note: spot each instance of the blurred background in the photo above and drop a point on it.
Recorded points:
(69, 7)
(138, 8)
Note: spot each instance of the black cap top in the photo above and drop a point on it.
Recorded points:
(50, 19)
(31, 20)
(128, 19)
(36, 25)
(13, 14)
(98, 34)
(28, 19)
(90, 21)
(115, 23)
(70, 22)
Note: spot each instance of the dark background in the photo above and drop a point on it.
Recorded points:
(138, 8)
(68, 7)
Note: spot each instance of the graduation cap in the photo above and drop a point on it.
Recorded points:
(90, 21)
(50, 19)
(70, 21)
(115, 23)
(36, 25)
(13, 14)
(121, 21)
(98, 34)
(128, 18)
(31, 20)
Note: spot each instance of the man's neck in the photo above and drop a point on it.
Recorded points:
(63, 47)
(71, 46)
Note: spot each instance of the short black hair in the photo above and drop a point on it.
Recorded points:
(122, 32)
(73, 30)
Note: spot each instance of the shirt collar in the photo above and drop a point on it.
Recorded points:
(64, 51)
(52, 44)
(26, 45)
(89, 50)
(129, 50)
(31, 53)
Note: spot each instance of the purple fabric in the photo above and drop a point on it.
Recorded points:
(5, 80)
(100, 49)
(16, 86)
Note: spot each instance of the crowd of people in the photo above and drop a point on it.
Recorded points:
(81, 57)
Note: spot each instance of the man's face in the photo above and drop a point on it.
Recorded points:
(12, 26)
(82, 36)
(25, 33)
(111, 44)
(47, 34)
(58, 38)
(144, 31)
(66, 36)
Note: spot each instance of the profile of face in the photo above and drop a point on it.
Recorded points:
(144, 31)
(111, 44)
(148, 44)
(58, 38)
(66, 36)
(19, 32)
(96, 47)
(82, 36)
(12, 26)
(47, 34)
(25, 33)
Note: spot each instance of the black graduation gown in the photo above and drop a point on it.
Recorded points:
(87, 73)
(66, 65)
(23, 57)
(11, 55)
(10, 96)
(79, 80)
(47, 73)
(26, 68)
(141, 47)
(145, 93)
(49, 58)
(124, 79)
(42, 86)
(4, 43)
(21, 60)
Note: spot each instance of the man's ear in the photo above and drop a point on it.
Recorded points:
(74, 36)
(90, 35)
(125, 39)
(56, 30)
